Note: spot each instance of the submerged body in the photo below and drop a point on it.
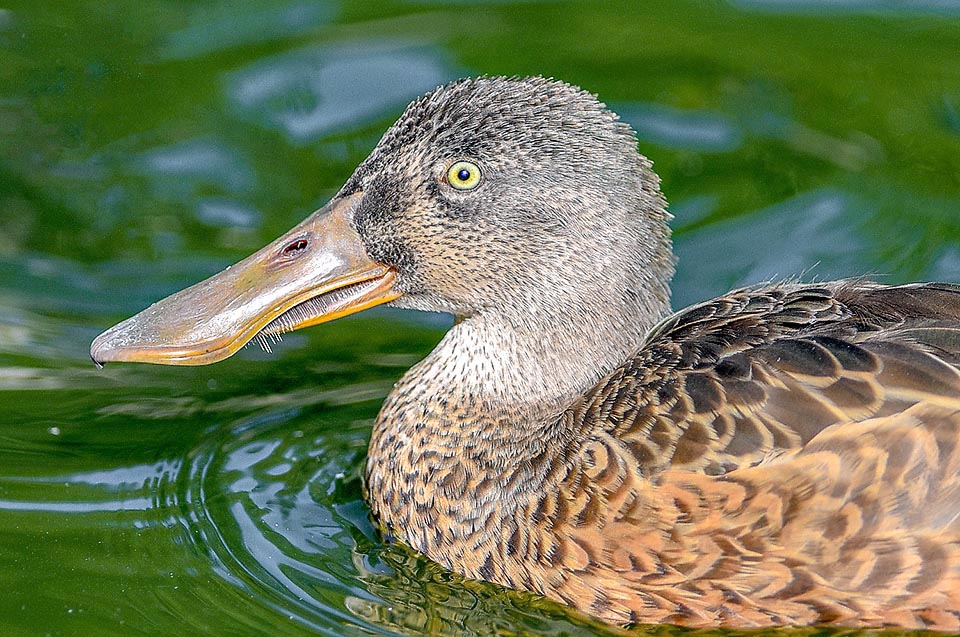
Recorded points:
(780, 455)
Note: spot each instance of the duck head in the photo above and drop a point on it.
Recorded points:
(523, 199)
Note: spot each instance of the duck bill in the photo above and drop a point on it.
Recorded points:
(316, 272)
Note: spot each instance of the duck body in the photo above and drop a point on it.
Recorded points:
(786, 454)
(781, 455)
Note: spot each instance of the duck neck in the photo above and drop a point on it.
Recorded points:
(484, 408)
(525, 372)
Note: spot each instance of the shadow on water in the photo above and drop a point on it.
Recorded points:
(143, 148)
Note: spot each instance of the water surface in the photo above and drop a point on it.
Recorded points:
(146, 145)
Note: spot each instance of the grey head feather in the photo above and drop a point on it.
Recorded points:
(567, 201)
(561, 254)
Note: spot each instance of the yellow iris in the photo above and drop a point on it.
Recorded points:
(463, 175)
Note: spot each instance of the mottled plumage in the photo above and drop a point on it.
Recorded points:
(785, 454)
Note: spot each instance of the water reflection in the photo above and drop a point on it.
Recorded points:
(181, 170)
(131, 488)
(218, 28)
(227, 214)
(947, 265)
(814, 235)
(708, 132)
(951, 112)
(316, 91)
(260, 500)
(143, 148)
(896, 7)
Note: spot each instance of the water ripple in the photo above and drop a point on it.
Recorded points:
(257, 497)
(274, 500)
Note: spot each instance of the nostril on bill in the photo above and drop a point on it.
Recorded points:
(294, 248)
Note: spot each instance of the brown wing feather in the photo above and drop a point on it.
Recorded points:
(860, 527)
(830, 418)
(724, 384)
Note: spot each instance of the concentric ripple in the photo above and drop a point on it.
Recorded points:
(275, 500)
(270, 499)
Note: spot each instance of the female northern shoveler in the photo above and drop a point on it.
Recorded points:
(787, 454)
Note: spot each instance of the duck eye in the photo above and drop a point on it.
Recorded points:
(464, 175)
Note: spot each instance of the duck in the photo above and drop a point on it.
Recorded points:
(784, 454)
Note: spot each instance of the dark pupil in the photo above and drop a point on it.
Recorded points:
(464, 174)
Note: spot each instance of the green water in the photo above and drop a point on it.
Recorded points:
(145, 145)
